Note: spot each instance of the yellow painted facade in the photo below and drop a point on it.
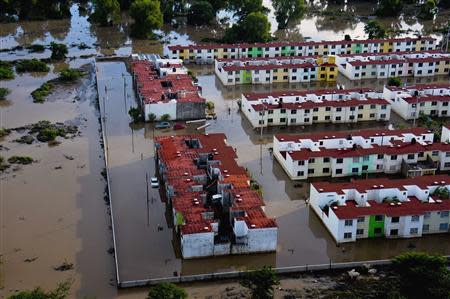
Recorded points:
(327, 70)
(387, 47)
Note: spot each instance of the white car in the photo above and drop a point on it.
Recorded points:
(154, 182)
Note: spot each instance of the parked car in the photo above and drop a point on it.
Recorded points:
(179, 126)
(162, 125)
(154, 182)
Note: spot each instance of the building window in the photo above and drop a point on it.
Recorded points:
(377, 230)
(395, 219)
(443, 226)
(394, 157)
(301, 162)
(312, 160)
(326, 170)
(338, 171)
(282, 120)
(326, 160)
(270, 111)
(339, 160)
(415, 218)
(355, 170)
(379, 218)
(361, 219)
(435, 153)
(410, 156)
(414, 231)
(270, 120)
(349, 222)
(444, 214)
(327, 108)
(293, 120)
(394, 232)
(310, 171)
(282, 111)
(347, 235)
(427, 215)
(426, 227)
(360, 231)
(300, 173)
(293, 111)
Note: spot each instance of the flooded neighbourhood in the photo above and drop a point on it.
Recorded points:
(56, 212)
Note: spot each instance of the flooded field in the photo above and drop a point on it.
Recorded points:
(53, 211)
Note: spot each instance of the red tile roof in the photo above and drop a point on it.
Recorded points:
(270, 66)
(180, 169)
(323, 103)
(419, 87)
(156, 89)
(253, 96)
(427, 98)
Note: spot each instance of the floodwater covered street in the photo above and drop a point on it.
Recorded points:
(144, 251)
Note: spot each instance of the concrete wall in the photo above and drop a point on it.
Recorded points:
(190, 110)
(197, 245)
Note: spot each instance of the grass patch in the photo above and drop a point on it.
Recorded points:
(24, 160)
(32, 65)
(48, 132)
(42, 92)
(3, 93)
(70, 74)
(6, 71)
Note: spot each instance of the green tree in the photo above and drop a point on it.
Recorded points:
(253, 28)
(374, 29)
(389, 7)
(32, 65)
(70, 74)
(165, 117)
(4, 92)
(170, 8)
(394, 81)
(444, 3)
(166, 290)
(200, 13)
(135, 114)
(260, 282)
(428, 9)
(6, 71)
(243, 8)
(59, 51)
(61, 292)
(423, 275)
(151, 117)
(287, 10)
(147, 17)
(106, 12)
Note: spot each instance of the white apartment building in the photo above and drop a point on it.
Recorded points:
(394, 64)
(382, 207)
(207, 53)
(412, 101)
(309, 107)
(339, 154)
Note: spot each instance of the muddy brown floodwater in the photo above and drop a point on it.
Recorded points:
(53, 210)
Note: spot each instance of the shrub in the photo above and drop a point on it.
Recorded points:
(42, 92)
(70, 74)
(4, 132)
(394, 81)
(6, 71)
(210, 105)
(151, 117)
(48, 134)
(165, 117)
(32, 65)
(59, 51)
(36, 48)
(166, 290)
(422, 275)
(4, 92)
(260, 282)
(135, 114)
(20, 160)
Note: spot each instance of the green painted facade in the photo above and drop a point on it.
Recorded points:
(246, 77)
(255, 52)
(373, 224)
(370, 163)
(287, 51)
(356, 48)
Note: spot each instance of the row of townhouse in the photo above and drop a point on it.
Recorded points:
(310, 107)
(207, 53)
(395, 64)
(402, 208)
(273, 70)
(412, 101)
(164, 87)
(215, 212)
(340, 154)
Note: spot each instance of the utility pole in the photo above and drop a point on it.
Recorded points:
(124, 92)
(146, 189)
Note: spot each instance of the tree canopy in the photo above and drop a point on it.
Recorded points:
(106, 12)
(374, 30)
(423, 275)
(253, 28)
(147, 17)
(61, 292)
(286, 10)
(389, 7)
(166, 291)
(260, 282)
(200, 13)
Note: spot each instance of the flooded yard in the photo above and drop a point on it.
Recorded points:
(53, 211)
